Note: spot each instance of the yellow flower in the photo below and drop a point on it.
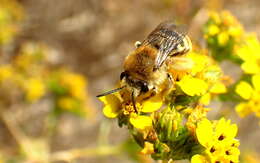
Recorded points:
(6, 71)
(140, 121)
(66, 103)
(218, 139)
(112, 105)
(75, 83)
(249, 52)
(148, 148)
(35, 89)
(10, 14)
(193, 86)
(251, 94)
(215, 17)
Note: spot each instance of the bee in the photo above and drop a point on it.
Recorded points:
(147, 70)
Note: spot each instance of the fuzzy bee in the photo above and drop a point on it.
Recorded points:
(148, 69)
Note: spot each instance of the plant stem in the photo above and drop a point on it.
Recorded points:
(73, 154)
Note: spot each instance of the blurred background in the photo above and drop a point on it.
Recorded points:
(56, 56)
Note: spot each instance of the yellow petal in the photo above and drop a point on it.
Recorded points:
(256, 82)
(223, 38)
(148, 148)
(218, 88)
(205, 99)
(152, 104)
(244, 90)
(198, 159)
(204, 132)
(243, 109)
(193, 86)
(224, 128)
(250, 67)
(141, 121)
(213, 30)
(112, 105)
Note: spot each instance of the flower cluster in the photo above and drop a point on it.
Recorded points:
(70, 90)
(25, 73)
(222, 32)
(29, 76)
(10, 14)
(243, 49)
(175, 126)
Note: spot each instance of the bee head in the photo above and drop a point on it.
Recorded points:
(140, 86)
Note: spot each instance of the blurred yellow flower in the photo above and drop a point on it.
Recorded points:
(249, 52)
(34, 89)
(243, 109)
(215, 17)
(10, 14)
(223, 38)
(251, 94)
(213, 30)
(193, 86)
(6, 71)
(75, 83)
(148, 148)
(66, 103)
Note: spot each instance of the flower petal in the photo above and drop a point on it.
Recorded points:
(198, 159)
(244, 90)
(256, 82)
(193, 86)
(218, 88)
(204, 132)
(152, 104)
(112, 105)
(141, 121)
(243, 109)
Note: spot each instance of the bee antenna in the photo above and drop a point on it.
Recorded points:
(133, 101)
(110, 92)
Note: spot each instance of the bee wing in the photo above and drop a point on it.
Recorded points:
(165, 37)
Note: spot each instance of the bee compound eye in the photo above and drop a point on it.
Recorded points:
(144, 87)
(137, 44)
(123, 75)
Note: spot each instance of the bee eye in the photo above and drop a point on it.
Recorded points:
(138, 44)
(144, 87)
(157, 46)
(122, 75)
